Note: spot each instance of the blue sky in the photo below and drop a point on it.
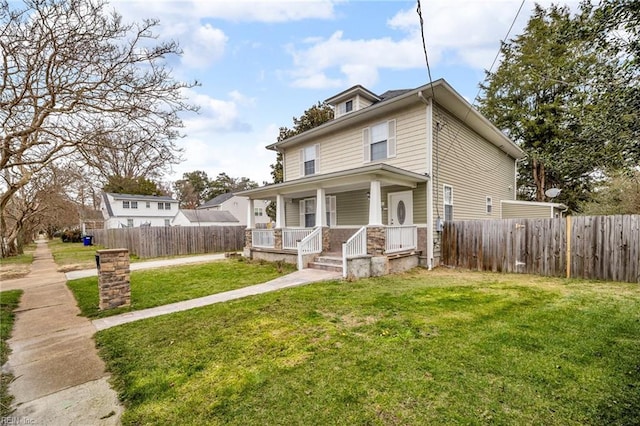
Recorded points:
(261, 63)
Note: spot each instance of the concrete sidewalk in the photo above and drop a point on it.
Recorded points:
(294, 279)
(151, 264)
(58, 376)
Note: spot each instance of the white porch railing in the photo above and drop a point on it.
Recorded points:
(262, 238)
(310, 244)
(292, 236)
(355, 246)
(401, 238)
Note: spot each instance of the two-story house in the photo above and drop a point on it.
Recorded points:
(237, 206)
(370, 189)
(130, 210)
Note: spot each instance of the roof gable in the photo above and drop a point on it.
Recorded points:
(216, 201)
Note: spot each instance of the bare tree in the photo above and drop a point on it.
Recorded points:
(72, 76)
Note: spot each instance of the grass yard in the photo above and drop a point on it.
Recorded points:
(156, 287)
(440, 347)
(73, 256)
(8, 303)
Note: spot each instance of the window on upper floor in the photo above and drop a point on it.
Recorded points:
(448, 202)
(125, 204)
(167, 206)
(344, 108)
(309, 160)
(379, 141)
(134, 204)
(160, 206)
(348, 106)
(148, 204)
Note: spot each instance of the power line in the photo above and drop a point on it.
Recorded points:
(424, 49)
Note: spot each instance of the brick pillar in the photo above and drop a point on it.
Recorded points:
(277, 238)
(326, 239)
(113, 278)
(247, 238)
(376, 240)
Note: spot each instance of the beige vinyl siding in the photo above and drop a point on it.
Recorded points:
(473, 167)
(343, 150)
(531, 211)
(292, 213)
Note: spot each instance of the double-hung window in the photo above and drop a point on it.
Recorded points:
(309, 160)
(160, 206)
(134, 204)
(379, 141)
(448, 202)
(125, 204)
(308, 211)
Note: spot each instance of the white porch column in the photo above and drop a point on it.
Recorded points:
(251, 217)
(280, 209)
(375, 204)
(321, 208)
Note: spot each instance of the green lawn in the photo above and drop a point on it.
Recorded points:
(422, 348)
(155, 287)
(8, 303)
(73, 256)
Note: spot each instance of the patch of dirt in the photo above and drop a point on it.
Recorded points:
(10, 272)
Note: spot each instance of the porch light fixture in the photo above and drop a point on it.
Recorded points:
(368, 195)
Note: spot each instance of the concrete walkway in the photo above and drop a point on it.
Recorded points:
(294, 279)
(151, 264)
(58, 376)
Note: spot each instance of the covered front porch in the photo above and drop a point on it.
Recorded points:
(360, 220)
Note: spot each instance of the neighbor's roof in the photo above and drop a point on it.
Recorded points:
(393, 100)
(209, 216)
(141, 197)
(216, 201)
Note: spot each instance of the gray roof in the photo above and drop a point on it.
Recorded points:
(141, 197)
(216, 201)
(392, 94)
(107, 204)
(209, 216)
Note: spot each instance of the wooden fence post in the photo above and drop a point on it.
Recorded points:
(568, 242)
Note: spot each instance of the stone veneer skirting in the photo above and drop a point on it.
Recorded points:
(113, 278)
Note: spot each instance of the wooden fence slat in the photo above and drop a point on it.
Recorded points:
(602, 247)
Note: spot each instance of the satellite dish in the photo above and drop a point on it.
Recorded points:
(552, 192)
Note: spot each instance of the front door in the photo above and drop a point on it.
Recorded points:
(401, 208)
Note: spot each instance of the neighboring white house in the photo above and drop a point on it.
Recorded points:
(237, 206)
(204, 218)
(130, 210)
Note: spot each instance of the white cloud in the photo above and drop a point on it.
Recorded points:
(217, 115)
(462, 32)
(206, 46)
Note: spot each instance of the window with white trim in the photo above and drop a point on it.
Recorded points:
(130, 223)
(308, 211)
(344, 108)
(489, 205)
(167, 206)
(148, 204)
(257, 211)
(125, 204)
(160, 206)
(134, 204)
(379, 141)
(309, 160)
(448, 202)
(167, 222)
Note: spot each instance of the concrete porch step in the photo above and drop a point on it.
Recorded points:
(327, 263)
(325, 266)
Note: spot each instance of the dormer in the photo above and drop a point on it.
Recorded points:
(353, 99)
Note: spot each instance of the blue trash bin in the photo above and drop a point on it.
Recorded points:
(87, 240)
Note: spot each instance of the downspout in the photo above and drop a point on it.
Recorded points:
(429, 141)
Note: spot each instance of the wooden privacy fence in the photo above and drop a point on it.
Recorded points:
(593, 247)
(160, 241)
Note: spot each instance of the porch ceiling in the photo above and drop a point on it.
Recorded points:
(342, 181)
